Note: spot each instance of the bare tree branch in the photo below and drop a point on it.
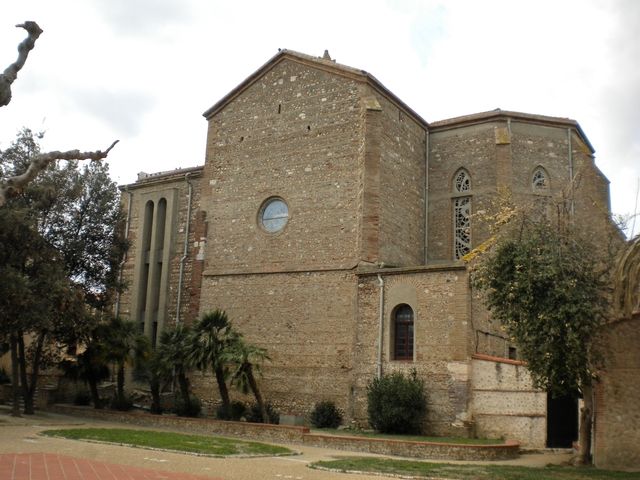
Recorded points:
(11, 72)
(12, 186)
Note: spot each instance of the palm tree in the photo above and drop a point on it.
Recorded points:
(174, 349)
(247, 359)
(155, 369)
(124, 345)
(211, 338)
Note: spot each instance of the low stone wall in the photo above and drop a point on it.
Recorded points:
(300, 435)
(258, 431)
(402, 448)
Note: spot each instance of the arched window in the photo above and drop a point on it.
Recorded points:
(461, 214)
(403, 333)
(540, 180)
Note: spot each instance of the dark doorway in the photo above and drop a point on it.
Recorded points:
(562, 421)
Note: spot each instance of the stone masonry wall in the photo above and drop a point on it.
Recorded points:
(296, 133)
(438, 297)
(402, 187)
(172, 181)
(306, 323)
(505, 404)
(472, 148)
(617, 424)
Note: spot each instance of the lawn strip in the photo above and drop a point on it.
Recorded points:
(418, 469)
(170, 441)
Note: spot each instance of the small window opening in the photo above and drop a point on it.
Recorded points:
(279, 108)
(308, 128)
(513, 353)
(403, 333)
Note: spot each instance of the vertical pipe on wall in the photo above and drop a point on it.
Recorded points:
(426, 195)
(571, 205)
(380, 327)
(124, 258)
(185, 250)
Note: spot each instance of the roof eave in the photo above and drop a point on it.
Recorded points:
(499, 114)
(343, 70)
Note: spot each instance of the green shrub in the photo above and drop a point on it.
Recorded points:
(234, 412)
(325, 414)
(82, 398)
(254, 414)
(191, 409)
(396, 403)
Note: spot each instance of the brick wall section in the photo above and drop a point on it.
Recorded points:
(617, 428)
(439, 299)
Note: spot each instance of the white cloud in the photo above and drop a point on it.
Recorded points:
(144, 70)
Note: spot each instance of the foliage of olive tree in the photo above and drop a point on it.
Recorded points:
(548, 285)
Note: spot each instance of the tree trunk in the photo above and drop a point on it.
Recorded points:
(586, 419)
(256, 393)
(120, 384)
(35, 369)
(222, 387)
(22, 361)
(15, 377)
(154, 384)
(184, 388)
(95, 396)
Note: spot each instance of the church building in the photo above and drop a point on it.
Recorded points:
(329, 221)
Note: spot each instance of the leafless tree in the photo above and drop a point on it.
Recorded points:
(11, 186)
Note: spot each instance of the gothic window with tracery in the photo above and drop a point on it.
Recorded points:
(461, 215)
(539, 182)
(462, 182)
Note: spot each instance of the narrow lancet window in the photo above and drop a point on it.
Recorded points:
(461, 214)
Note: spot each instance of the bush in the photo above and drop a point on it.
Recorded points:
(254, 414)
(192, 409)
(396, 403)
(326, 415)
(235, 412)
(82, 398)
(123, 405)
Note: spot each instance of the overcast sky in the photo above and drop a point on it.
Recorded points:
(144, 71)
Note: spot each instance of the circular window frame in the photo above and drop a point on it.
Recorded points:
(261, 220)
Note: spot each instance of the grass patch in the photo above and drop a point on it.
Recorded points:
(469, 472)
(180, 442)
(411, 438)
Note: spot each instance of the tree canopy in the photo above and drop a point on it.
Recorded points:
(548, 284)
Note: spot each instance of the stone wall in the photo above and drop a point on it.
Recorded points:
(504, 402)
(438, 297)
(617, 417)
(155, 187)
(306, 323)
(295, 133)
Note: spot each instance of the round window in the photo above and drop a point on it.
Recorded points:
(274, 215)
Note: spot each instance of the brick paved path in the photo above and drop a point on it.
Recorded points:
(50, 466)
